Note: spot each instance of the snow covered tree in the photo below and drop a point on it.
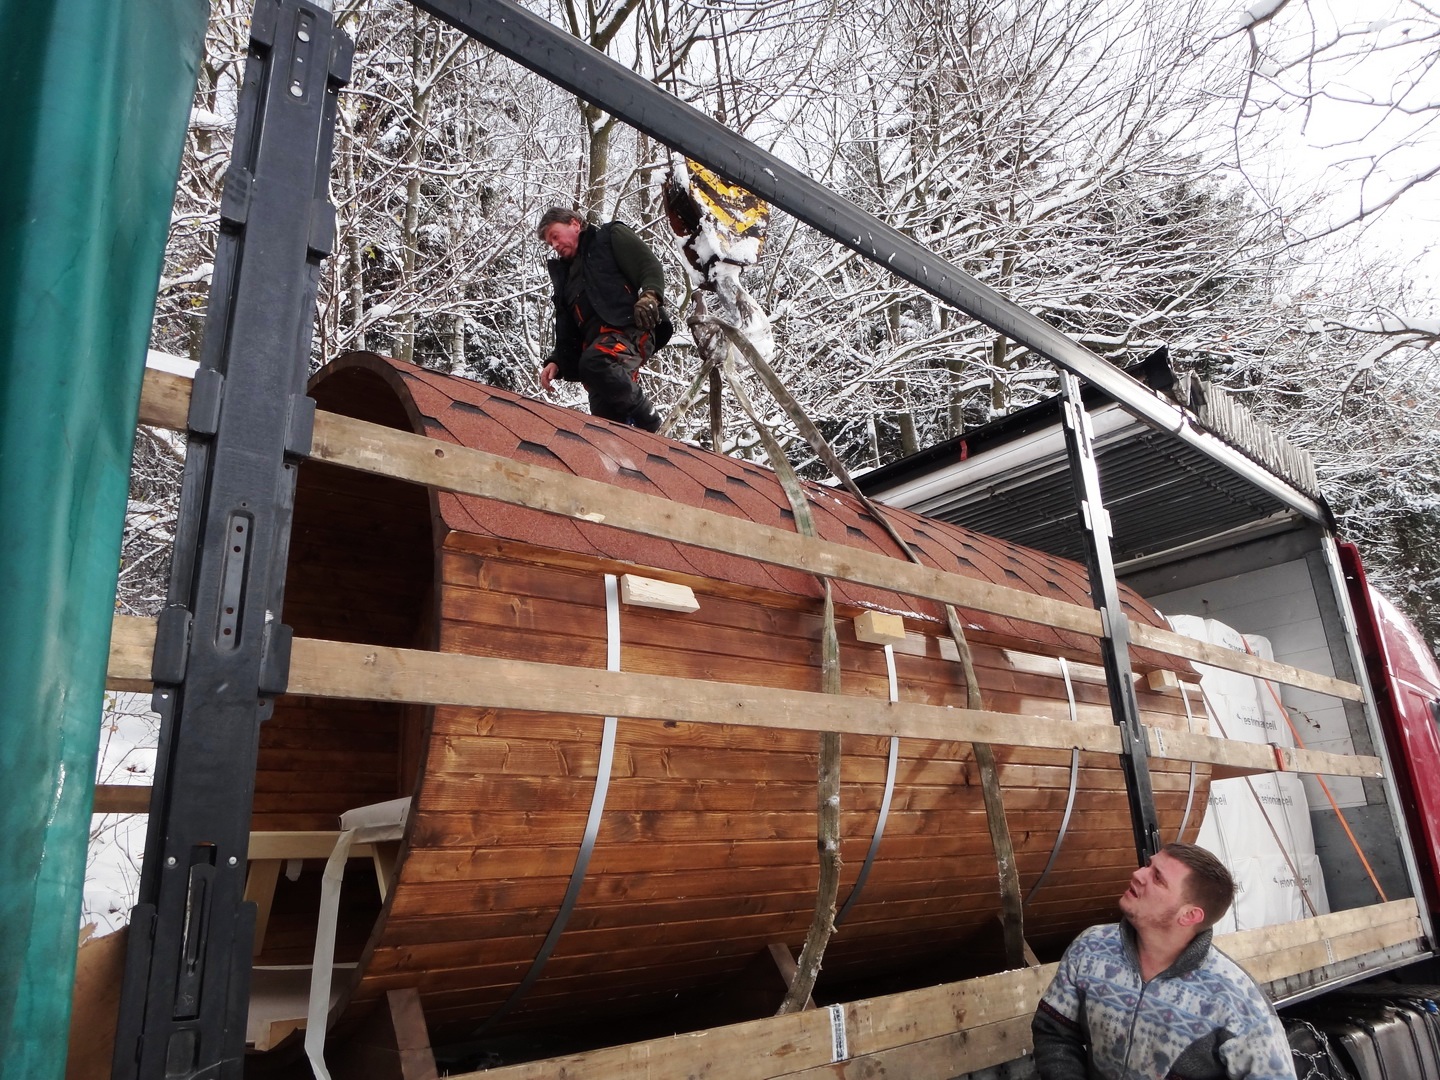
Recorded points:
(1053, 151)
(1079, 159)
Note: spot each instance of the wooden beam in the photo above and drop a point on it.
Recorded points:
(386, 852)
(337, 669)
(316, 844)
(121, 798)
(1167, 641)
(165, 399)
(792, 1043)
(981, 1047)
(1234, 758)
(1314, 955)
(929, 1034)
(260, 880)
(1245, 944)
(382, 451)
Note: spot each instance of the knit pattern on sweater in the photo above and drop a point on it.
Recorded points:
(1202, 1019)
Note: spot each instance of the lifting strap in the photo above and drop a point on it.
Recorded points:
(1011, 904)
(827, 793)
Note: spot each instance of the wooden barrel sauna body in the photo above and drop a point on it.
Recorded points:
(706, 851)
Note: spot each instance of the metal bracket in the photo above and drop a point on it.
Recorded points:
(1115, 637)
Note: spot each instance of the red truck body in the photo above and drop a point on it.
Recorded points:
(1406, 682)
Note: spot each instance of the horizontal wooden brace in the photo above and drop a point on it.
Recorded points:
(1167, 641)
(382, 451)
(1231, 757)
(336, 669)
(931, 1033)
(301, 845)
(121, 798)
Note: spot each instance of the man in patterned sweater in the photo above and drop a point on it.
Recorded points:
(1150, 998)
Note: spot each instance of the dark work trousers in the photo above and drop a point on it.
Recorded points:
(610, 372)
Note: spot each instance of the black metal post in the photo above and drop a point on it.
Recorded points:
(221, 652)
(1115, 637)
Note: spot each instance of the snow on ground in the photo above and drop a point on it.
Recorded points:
(128, 735)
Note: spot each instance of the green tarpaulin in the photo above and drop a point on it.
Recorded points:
(95, 95)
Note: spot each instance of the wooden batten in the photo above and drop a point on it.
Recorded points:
(932, 1034)
(337, 670)
(367, 447)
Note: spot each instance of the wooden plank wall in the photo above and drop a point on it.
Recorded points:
(707, 849)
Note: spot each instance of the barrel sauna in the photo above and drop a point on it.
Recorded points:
(706, 851)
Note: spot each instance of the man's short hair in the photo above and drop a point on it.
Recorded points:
(1210, 886)
(556, 215)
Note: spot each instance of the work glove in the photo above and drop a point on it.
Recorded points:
(647, 311)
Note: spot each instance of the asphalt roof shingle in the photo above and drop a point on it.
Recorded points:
(485, 418)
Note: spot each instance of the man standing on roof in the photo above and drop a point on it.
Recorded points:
(1150, 997)
(609, 293)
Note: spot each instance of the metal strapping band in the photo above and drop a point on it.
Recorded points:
(1069, 796)
(592, 824)
(884, 800)
(1190, 794)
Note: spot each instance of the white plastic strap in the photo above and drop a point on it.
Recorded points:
(1070, 795)
(365, 824)
(592, 823)
(884, 801)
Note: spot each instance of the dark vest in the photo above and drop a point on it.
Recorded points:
(609, 293)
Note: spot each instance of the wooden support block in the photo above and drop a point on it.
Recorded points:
(121, 799)
(260, 883)
(395, 1046)
(880, 628)
(785, 963)
(1162, 680)
(663, 595)
(385, 854)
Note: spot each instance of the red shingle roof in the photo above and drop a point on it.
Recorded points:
(481, 417)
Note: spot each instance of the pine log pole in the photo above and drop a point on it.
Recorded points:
(827, 818)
